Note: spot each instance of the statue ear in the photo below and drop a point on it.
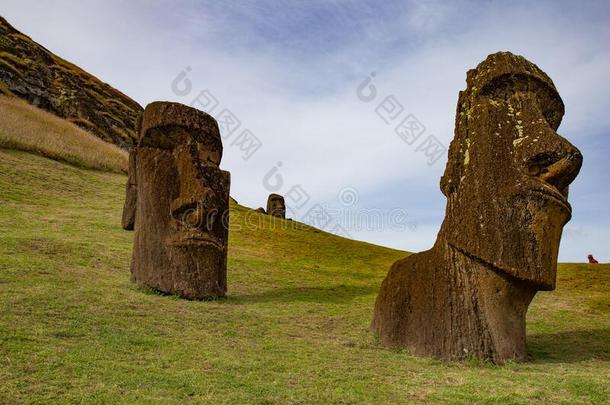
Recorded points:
(131, 195)
(447, 186)
(453, 171)
(450, 181)
(451, 178)
(139, 125)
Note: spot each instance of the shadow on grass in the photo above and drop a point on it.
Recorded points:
(327, 295)
(570, 346)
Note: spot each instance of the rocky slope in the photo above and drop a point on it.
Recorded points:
(31, 72)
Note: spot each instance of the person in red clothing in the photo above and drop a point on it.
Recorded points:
(592, 259)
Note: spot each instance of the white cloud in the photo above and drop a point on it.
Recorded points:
(295, 90)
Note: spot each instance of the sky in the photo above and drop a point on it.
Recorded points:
(308, 94)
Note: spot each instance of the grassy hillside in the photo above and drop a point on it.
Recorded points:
(294, 328)
(25, 127)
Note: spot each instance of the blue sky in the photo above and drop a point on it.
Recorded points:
(289, 72)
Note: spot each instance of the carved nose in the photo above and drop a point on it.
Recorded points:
(557, 168)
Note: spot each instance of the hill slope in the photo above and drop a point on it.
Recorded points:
(25, 127)
(31, 72)
(294, 327)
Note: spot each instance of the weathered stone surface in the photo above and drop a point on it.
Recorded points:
(261, 210)
(179, 198)
(506, 184)
(276, 206)
(131, 194)
(31, 72)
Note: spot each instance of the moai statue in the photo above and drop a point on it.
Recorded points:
(506, 184)
(276, 206)
(178, 203)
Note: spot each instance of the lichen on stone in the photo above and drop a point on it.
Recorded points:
(517, 141)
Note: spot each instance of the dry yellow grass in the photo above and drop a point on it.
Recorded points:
(25, 127)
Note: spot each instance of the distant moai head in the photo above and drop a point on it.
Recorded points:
(276, 206)
(508, 172)
(181, 203)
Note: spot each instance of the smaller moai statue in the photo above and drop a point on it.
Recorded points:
(276, 206)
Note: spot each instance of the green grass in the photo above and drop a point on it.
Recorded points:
(294, 328)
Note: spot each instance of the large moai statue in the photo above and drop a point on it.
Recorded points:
(178, 203)
(506, 184)
(276, 206)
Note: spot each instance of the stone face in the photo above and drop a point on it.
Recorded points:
(506, 184)
(276, 206)
(178, 203)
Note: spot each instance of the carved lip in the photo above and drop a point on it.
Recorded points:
(185, 239)
(551, 192)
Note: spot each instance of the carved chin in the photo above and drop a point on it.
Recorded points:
(524, 245)
(530, 244)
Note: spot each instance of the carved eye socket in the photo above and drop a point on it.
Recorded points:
(549, 102)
